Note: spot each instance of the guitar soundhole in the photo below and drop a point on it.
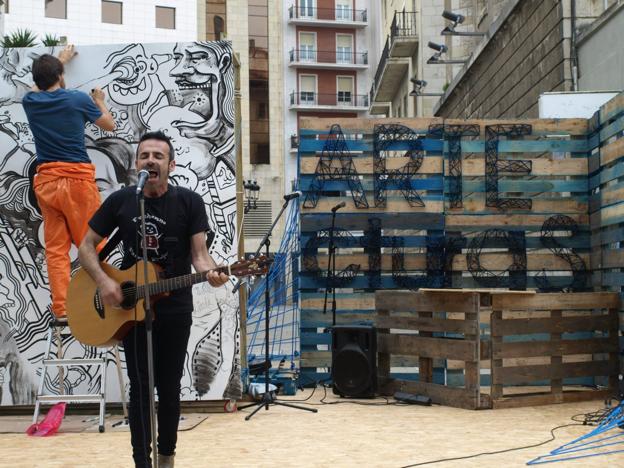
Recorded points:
(128, 290)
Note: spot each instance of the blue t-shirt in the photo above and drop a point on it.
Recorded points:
(57, 120)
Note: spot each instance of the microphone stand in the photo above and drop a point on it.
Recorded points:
(148, 335)
(331, 269)
(267, 398)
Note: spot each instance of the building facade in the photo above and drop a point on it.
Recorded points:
(256, 38)
(530, 47)
(600, 52)
(327, 67)
(84, 22)
(400, 54)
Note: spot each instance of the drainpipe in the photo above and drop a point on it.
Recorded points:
(573, 51)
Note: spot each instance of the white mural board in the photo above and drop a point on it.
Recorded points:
(184, 89)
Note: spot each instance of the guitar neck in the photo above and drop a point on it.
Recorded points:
(178, 282)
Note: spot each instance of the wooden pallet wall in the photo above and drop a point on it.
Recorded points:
(461, 204)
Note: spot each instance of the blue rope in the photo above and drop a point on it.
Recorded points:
(594, 440)
(284, 313)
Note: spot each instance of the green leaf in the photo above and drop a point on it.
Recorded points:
(20, 38)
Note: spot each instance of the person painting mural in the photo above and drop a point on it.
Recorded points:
(65, 181)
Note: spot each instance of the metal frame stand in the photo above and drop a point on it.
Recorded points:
(56, 333)
(267, 398)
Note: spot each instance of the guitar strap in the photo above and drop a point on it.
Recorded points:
(172, 243)
(110, 246)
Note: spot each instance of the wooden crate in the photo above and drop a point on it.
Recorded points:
(430, 326)
(546, 340)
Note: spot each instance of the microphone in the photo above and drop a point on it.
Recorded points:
(290, 196)
(142, 178)
(338, 206)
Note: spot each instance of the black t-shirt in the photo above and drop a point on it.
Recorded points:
(168, 243)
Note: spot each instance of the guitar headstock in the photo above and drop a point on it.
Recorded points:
(251, 267)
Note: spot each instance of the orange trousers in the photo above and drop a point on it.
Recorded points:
(68, 197)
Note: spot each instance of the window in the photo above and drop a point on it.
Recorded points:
(165, 17)
(307, 47)
(307, 89)
(111, 12)
(263, 154)
(56, 9)
(219, 27)
(5, 6)
(343, 10)
(306, 8)
(345, 90)
(344, 48)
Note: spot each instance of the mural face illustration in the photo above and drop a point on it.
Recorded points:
(16, 77)
(134, 69)
(188, 151)
(198, 73)
(105, 176)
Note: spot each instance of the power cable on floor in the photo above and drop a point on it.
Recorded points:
(440, 460)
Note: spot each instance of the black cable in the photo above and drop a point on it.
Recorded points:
(351, 402)
(305, 399)
(552, 434)
(593, 418)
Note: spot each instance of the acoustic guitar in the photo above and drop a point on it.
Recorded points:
(95, 324)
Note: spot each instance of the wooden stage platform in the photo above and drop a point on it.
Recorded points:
(339, 435)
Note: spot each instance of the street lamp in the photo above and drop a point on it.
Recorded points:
(252, 191)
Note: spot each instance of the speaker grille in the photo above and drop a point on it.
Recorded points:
(351, 370)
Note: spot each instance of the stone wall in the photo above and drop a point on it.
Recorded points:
(525, 54)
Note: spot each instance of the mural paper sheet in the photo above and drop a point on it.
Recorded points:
(184, 89)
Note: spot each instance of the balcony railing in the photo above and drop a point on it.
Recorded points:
(380, 67)
(340, 99)
(403, 25)
(328, 56)
(328, 14)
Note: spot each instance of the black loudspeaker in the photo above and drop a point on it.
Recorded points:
(354, 360)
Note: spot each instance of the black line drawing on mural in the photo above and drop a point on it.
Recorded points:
(187, 91)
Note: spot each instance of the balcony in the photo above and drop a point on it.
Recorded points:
(339, 102)
(310, 58)
(401, 45)
(327, 17)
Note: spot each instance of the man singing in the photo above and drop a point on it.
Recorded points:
(176, 225)
(65, 182)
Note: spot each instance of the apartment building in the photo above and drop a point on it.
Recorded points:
(86, 22)
(327, 70)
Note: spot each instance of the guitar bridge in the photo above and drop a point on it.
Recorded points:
(98, 305)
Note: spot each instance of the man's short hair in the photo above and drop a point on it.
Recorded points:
(160, 136)
(46, 71)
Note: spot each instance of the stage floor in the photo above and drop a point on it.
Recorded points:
(341, 435)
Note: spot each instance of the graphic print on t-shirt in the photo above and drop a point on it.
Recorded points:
(154, 231)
